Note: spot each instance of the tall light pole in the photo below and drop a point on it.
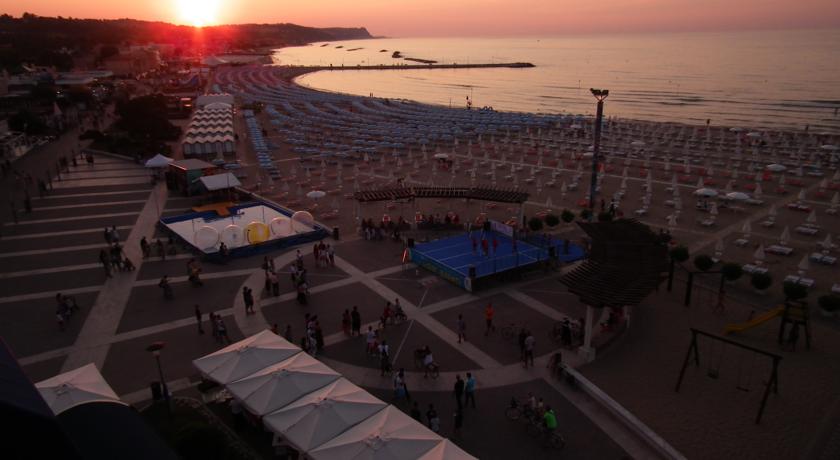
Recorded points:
(155, 349)
(600, 95)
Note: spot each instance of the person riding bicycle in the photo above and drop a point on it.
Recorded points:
(549, 421)
(429, 363)
(399, 313)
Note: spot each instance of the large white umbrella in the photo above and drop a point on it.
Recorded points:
(275, 386)
(323, 414)
(785, 237)
(245, 357)
(706, 192)
(804, 265)
(158, 161)
(759, 255)
(746, 228)
(441, 156)
(316, 194)
(79, 386)
(737, 196)
(812, 217)
(801, 195)
(388, 434)
(775, 167)
(447, 450)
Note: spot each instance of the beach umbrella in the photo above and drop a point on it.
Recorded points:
(387, 434)
(316, 194)
(835, 200)
(323, 414)
(737, 196)
(719, 248)
(812, 217)
(623, 185)
(801, 195)
(79, 386)
(826, 243)
(446, 450)
(804, 265)
(672, 220)
(823, 184)
(245, 357)
(706, 192)
(772, 212)
(746, 228)
(279, 384)
(782, 180)
(757, 192)
(548, 203)
(759, 255)
(836, 176)
(785, 237)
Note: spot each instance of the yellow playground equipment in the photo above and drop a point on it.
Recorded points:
(791, 313)
(755, 321)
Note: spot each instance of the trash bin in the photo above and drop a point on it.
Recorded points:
(335, 233)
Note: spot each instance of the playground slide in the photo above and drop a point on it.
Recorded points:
(762, 318)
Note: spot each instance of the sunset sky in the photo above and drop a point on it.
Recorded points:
(409, 18)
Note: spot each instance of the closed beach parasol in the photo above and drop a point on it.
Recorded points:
(316, 194)
(706, 192)
(441, 156)
(759, 255)
(785, 237)
(775, 167)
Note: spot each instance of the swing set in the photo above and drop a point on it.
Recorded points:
(719, 345)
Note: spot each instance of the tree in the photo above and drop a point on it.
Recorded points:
(552, 220)
(679, 254)
(585, 214)
(535, 224)
(794, 291)
(27, 122)
(731, 271)
(761, 281)
(567, 216)
(107, 51)
(703, 262)
(605, 217)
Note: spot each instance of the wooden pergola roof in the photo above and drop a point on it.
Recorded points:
(627, 261)
(473, 193)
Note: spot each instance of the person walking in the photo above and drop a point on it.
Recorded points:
(222, 330)
(211, 323)
(459, 421)
(459, 390)
(248, 298)
(167, 288)
(530, 342)
(469, 390)
(198, 319)
(521, 340)
(462, 329)
(275, 283)
(370, 341)
(331, 254)
(432, 418)
(107, 235)
(356, 320)
(145, 249)
(384, 358)
(415, 412)
(488, 318)
(345, 322)
(105, 260)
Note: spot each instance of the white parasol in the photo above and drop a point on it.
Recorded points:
(245, 357)
(79, 386)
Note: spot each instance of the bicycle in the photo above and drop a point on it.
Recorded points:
(517, 410)
(549, 438)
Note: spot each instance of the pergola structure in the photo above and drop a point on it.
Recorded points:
(411, 193)
(626, 262)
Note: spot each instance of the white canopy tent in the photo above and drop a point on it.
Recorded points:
(79, 386)
(219, 181)
(447, 450)
(389, 434)
(158, 161)
(275, 386)
(243, 358)
(323, 414)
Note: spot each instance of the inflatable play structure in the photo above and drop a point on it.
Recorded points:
(244, 229)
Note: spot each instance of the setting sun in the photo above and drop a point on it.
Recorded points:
(198, 13)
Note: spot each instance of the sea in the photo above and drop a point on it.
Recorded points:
(772, 80)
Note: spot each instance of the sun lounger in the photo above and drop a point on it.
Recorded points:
(742, 242)
(807, 230)
(753, 269)
(822, 259)
(807, 282)
(768, 223)
(780, 250)
(641, 212)
(835, 288)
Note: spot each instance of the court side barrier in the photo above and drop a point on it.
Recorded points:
(624, 416)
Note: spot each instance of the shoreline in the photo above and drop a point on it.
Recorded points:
(295, 72)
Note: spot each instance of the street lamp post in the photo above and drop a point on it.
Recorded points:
(155, 349)
(600, 95)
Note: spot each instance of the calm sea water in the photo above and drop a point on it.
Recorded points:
(778, 80)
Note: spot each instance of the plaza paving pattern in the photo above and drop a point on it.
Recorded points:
(55, 250)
